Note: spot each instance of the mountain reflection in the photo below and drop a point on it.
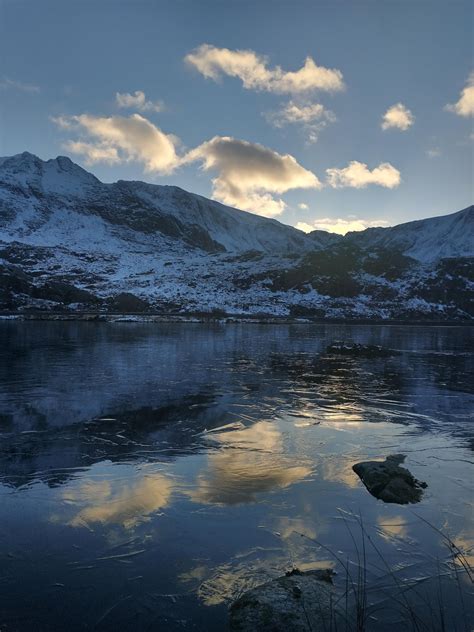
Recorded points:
(144, 393)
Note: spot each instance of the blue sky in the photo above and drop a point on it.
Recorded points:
(308, 148)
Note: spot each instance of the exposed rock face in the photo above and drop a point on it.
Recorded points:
(389, 482)
(299, 601)
(69, 242)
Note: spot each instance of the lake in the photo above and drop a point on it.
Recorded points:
(151, 473)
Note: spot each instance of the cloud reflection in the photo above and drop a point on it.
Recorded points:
(250, 461)
(118, 502)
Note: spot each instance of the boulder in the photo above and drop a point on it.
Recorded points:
(359, 350)
(299, 601)
(389, 482)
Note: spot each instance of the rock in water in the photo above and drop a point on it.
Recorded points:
(389, 482)
(299, 601)
(358, 350)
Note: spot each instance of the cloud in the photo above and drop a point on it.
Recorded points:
(303, 206)
(10, 84)
(94, 153)
(312, 116)
(340, 225)
(358, 175)
(252, 69)
(465, 105)
(249, 174)
(137, 101)
(433, 153)
(399, 117)
(122, 139)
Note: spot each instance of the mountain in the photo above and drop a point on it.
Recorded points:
(71, 242)
(426, 239)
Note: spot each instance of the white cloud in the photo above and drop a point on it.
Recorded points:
(122, 139)
(340, 225)
(433, 153)
(312, 116)
(295, 113)
(358, 175)
(398, 116)
(250, 174)
(252, 69)
(303, 206)
(94, 153)
(465, 105)
(6, 84)
(138, 101)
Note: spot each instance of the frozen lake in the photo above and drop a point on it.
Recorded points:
(150, 473)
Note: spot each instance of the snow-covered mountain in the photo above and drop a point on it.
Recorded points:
(69, 241)
(425, 239)
(58, 188)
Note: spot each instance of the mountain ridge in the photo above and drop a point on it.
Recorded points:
(69, 240)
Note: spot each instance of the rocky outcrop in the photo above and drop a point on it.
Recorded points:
(299, 601)
(389, 482)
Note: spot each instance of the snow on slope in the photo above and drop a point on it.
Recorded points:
(36, 193)
(425, 240)
(46, 188)
(236, 230)
(69, 240)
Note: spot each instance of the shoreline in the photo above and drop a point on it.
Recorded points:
(135, 317)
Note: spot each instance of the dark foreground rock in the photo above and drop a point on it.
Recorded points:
(299, 601)
(389, 482)
(359, 350)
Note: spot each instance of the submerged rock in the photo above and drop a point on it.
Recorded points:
(360, 350)
(299, 601)
(389, 482)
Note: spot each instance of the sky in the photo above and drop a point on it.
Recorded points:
(334, 115)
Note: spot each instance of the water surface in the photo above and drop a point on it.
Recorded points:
(150, 473)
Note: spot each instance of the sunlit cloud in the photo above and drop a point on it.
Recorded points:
(340, 225)
(252, 69)
(122, 139)
(250, 174)
(138, 101)
(398, 116)
(303, 206)
(313, 117)
(94, 153)
(250, 462)
(11, 84)
(117, 502)
(465, 104)
(357, 175)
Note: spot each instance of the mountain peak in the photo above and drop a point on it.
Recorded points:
(57, 175)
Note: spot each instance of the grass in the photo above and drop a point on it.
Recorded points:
(419, 608)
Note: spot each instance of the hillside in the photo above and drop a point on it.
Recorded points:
(71, 242)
